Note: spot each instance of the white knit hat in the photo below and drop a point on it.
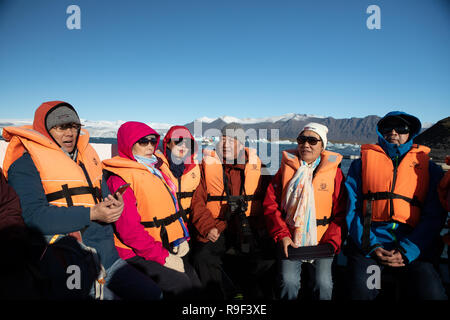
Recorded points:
(318, 128)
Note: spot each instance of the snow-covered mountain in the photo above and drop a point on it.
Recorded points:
(356, 130)
(108, 129)
(285, 117)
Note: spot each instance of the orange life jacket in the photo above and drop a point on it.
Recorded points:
(394, 193)
(186, 184)
(323, 183)
(217, 197)
(154, 201)
(65, 182)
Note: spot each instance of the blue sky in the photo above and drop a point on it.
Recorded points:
(173, 61)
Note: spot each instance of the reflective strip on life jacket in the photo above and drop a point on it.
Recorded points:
(323, 183)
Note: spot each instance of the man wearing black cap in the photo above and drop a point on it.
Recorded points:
(394, 215)
(58, 177)
(57, 122)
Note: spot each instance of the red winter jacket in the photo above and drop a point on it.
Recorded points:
(276, 224)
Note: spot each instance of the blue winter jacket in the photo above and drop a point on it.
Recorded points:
(49, 220)
(394, 235)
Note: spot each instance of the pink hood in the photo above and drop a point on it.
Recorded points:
(129, 133)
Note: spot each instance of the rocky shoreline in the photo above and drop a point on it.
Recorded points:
(437, 137)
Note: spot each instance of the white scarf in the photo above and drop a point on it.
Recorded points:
(298, 203)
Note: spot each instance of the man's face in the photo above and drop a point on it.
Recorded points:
(230, 147)
(395, 131)
(66, 135)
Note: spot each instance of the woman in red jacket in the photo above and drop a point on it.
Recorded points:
(305, 207)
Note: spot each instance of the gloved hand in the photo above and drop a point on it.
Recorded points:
(182, 249)
(175, 263)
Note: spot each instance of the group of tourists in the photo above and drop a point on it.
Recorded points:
(152, 224)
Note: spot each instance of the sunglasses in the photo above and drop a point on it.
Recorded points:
(399, 128)
(71, 126)
(186, 141)
(311, 140)
(143, 142)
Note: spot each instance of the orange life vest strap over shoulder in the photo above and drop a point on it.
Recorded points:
(392, 193)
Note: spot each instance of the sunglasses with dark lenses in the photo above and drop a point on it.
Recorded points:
(143, 142)
(399, 128)
(187, 142)
(311, 140)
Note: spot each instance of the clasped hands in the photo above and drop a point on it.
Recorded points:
(392, 258)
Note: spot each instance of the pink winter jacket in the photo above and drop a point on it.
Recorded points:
(128, 226)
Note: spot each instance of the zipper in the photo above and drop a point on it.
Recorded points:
(394, 180)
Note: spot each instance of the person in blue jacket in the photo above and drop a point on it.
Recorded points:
(394, 215)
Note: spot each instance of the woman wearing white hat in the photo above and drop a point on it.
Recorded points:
(305, 208)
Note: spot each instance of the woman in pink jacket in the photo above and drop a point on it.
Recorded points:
(156, 250)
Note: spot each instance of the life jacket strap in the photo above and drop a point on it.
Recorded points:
(67, 193)
(325, 221)
(181, 195)
(367, 219)
(162, 223)
(246, 197)
(373, 196)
